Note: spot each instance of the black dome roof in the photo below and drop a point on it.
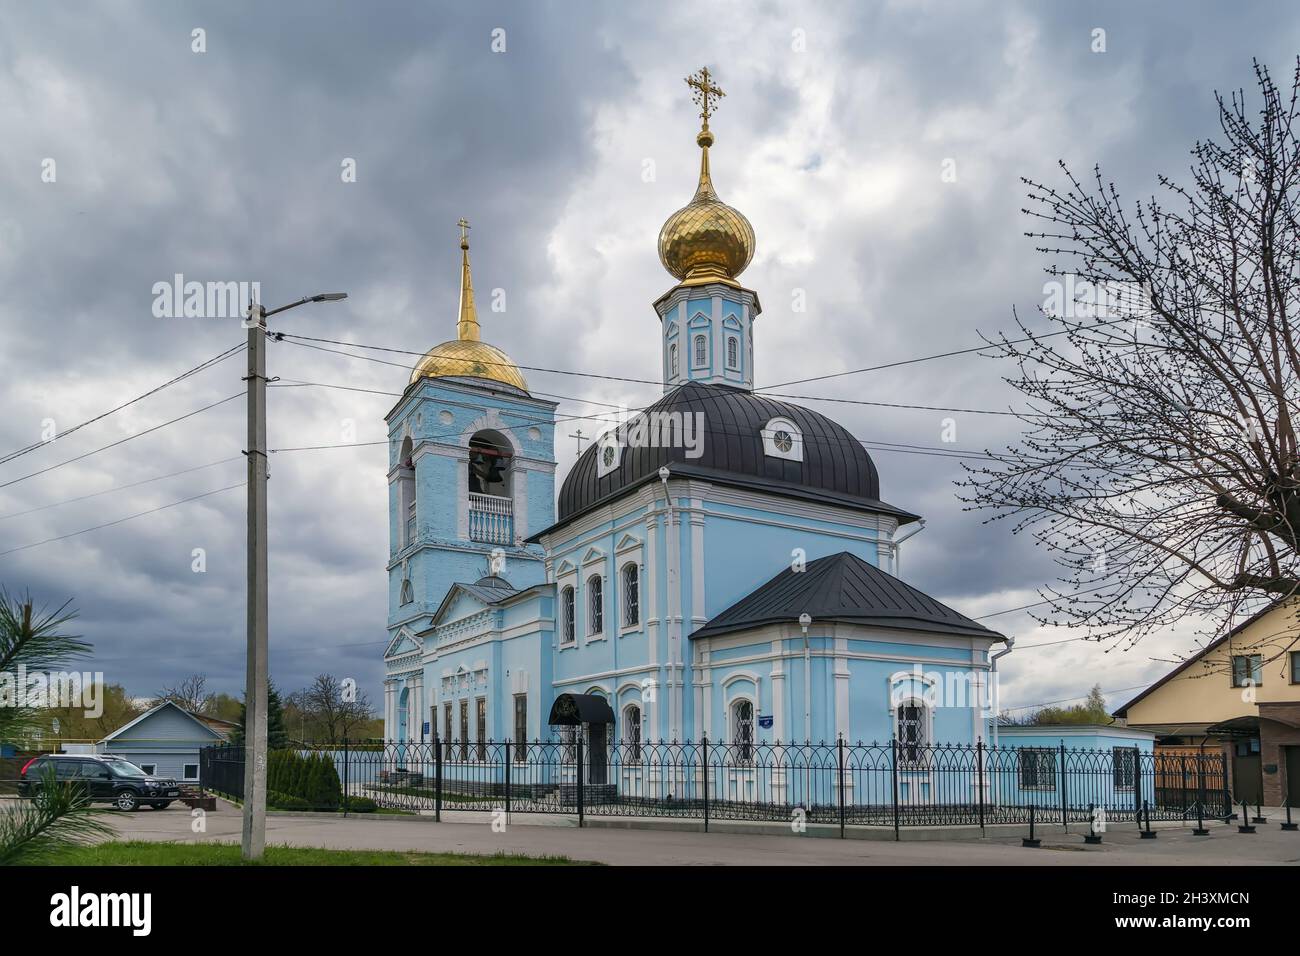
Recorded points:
(835, 467)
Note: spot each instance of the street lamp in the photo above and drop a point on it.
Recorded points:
(253, 841)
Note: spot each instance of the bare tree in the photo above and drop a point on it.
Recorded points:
(334, 707)
(1159, 461)
(190, 694)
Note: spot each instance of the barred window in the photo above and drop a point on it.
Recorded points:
(595, 604)
(481, 729)
(1037, 768)
(631, 595)
(672, 361)
(632, 732)
(521, 727)
(464, 730)
(742, 730)
(701, 350)
(1125, 764)
(446, 730)
(733, 352)
(566, 616)
(913, 734)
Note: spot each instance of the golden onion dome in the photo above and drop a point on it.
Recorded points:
(466, 356)
(706, 240)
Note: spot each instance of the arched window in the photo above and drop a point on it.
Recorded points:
(406, 493)
(782, 439)
(631, 594)
(742, 730)
(632, 732)
(566, 616)
(408, 593)
(489, 464)
(913, 733)
(733, 352)
(595, 605)
(672, 360)
(701, 350)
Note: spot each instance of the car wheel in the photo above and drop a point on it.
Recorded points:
(40, 798)
(126, 800)
(162, 806)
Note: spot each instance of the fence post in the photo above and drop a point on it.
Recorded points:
(979, 778)
(345, 776)
(841, 761)
(1182, 766)
(1200, 798)
(437, 777)
(1227, 794)
(1137, 785)
(893, 769)
(507, 752)
(704, 759)
(1065, 799)
(580, 781)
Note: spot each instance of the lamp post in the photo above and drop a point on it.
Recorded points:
(253, 841)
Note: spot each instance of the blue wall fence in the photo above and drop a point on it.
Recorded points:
(846, 784)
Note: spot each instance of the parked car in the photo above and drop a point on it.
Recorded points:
(105, 779)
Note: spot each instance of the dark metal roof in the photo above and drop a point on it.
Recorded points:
(571, 709)
(843, 587)
(835, 467)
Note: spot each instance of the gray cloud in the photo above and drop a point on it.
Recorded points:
(225, 165)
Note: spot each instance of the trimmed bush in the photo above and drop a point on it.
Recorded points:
(283, 801)
(362, 805)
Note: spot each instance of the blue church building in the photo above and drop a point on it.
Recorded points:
(722, 564)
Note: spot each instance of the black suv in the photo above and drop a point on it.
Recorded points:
(106, 780)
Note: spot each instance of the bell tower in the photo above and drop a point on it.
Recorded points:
(471, 470)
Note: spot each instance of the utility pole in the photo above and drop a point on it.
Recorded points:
(254, 834)
(253, 841)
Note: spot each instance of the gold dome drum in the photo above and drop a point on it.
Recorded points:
(706, 240)
(462, 358)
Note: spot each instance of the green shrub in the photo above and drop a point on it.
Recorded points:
(283, 801)
(362, 805)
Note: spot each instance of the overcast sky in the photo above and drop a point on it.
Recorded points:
(227, 165)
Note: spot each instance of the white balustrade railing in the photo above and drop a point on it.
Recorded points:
(491, 519)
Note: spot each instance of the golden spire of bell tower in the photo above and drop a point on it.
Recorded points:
(467, 322)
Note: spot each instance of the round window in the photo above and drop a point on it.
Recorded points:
(782, 440)
(609, 454)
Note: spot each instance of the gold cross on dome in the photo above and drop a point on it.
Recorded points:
(464, 230)
(705, 93)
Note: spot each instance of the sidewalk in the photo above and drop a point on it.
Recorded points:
(621, 845)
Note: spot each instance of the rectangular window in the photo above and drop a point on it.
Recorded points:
(521, 727)
(1125, 764)
(446, 730)
(631, 595)
(595, 605)
(1037, 768)
(410, 522)
(481, 716)
(566, 616)
(1247, 670)
(464, 730)
(1295, 667)
(190, 771)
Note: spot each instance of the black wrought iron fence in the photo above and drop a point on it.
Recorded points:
(840, 783)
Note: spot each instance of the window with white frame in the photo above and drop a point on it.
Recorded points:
(608, 454)
(149, 768)
(701, 351)
(521, 727)
(742, 730)
(913, 734)
(1037, 768)
(446, 730)
(632, 732)
(782, 439)
(464, 730)
(481, 728)
(595, 605)
(672, 360)
(631, 594)
(190, 771)
(566, 616)
(733, 352)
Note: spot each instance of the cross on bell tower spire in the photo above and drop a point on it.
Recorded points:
(705, 93)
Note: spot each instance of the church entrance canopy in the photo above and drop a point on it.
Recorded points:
(569, 710)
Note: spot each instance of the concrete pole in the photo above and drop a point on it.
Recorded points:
(255, 758)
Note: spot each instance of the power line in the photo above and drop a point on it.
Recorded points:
(122, 441)
(220, 357)
(1066, 700)
(109, 524)
(109, 491)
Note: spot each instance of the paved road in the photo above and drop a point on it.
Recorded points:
(546, 837)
